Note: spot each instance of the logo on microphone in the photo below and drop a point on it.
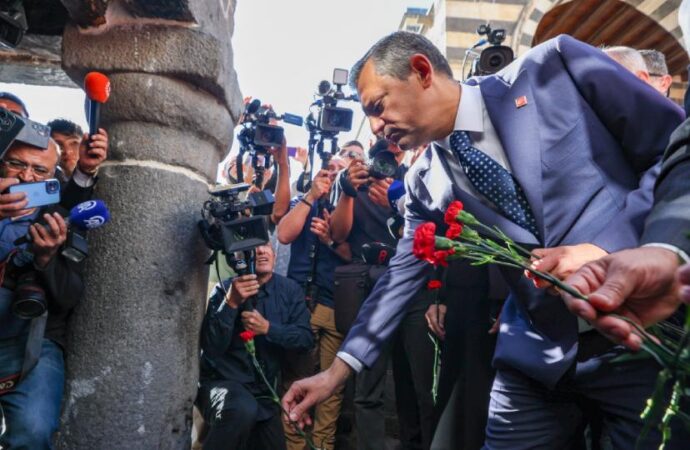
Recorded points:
(85, 206)
(94, 222)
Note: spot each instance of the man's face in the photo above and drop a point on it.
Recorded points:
(30, 164)
(265, 259)
(395, 107)
(351, 152)
(70, 149)
(12, 106)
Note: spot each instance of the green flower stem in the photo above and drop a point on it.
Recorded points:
(274, 395)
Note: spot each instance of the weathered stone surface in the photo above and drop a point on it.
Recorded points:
(169, 102)
(133, 341)
(132, 356)
(199, 52)
(35, 61)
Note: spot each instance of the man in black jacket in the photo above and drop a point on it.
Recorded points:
(31, 409)
(232, 397)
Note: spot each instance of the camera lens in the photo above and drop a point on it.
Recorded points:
(496, 60)
(52, 187)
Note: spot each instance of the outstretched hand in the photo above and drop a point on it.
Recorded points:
(641, 284)
(305, 393)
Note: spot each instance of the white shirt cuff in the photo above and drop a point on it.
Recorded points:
(351, 361)
(681, 254)
(82, 179)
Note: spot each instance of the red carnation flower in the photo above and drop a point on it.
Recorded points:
(424, 243)
(452, 212)
(454, 230)
(439, 257)
(247, 336)
(433, 284)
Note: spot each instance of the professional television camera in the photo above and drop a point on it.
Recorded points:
(493, 58)
(231, 224)
(258, 134)
(325, 120)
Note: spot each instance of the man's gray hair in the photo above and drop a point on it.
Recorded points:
(391, 56)
(655, 62)
(627, 57)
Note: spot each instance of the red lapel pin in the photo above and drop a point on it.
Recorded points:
(520, 101)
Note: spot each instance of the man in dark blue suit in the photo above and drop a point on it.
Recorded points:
(560, 150)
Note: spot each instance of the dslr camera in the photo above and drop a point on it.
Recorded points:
(258, 134)
(382, 165)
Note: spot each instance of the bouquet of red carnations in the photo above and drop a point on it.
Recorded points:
(470, 239)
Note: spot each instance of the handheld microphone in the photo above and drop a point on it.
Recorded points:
(324, 87)
(254, 106)
(97, 88)
(85, 216)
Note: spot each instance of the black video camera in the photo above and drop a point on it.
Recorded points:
(231, 224)
(329, 119)
(17, 128)
(258, 134)
(493, 58)
(12, 22)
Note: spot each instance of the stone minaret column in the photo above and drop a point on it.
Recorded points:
(133, 343)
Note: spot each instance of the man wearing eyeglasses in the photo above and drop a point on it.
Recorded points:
(350, 151)
(30, 410)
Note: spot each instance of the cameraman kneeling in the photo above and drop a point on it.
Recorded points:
(233, 399)
(31, 407)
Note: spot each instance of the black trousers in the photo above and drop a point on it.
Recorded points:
(236, 420)
(413, 360)
(466, 371)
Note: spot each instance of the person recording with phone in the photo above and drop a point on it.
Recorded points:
(35, 276)
(81, 154)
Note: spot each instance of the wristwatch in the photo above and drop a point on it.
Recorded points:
(333, 244)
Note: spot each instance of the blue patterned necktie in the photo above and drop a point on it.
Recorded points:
(494, 182)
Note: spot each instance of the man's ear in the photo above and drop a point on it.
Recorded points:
(422, 68)
(667, 81)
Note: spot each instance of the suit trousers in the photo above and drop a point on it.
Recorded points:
(326, 415)
(524, 414)
(236, 420)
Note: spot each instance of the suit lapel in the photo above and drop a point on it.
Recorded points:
(518, 131)
(440, 189)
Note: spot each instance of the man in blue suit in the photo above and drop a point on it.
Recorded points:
(560, 150)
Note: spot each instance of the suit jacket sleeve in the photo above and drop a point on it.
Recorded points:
(638, 117)
(669, 220)
(218, 325)
(384, 309)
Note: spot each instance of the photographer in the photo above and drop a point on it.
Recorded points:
(31, 407)
(307, 229)
(232, 397)
(361, 219)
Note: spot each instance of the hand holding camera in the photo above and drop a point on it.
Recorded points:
(48, 239)
(357, 174)
(322, 227)
(243, 287)
(378, 192)
(321, 185)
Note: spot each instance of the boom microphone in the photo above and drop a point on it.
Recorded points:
(97, 87)
(85, 216)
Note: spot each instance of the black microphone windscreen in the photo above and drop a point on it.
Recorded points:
(253, 106)
(324, 87)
